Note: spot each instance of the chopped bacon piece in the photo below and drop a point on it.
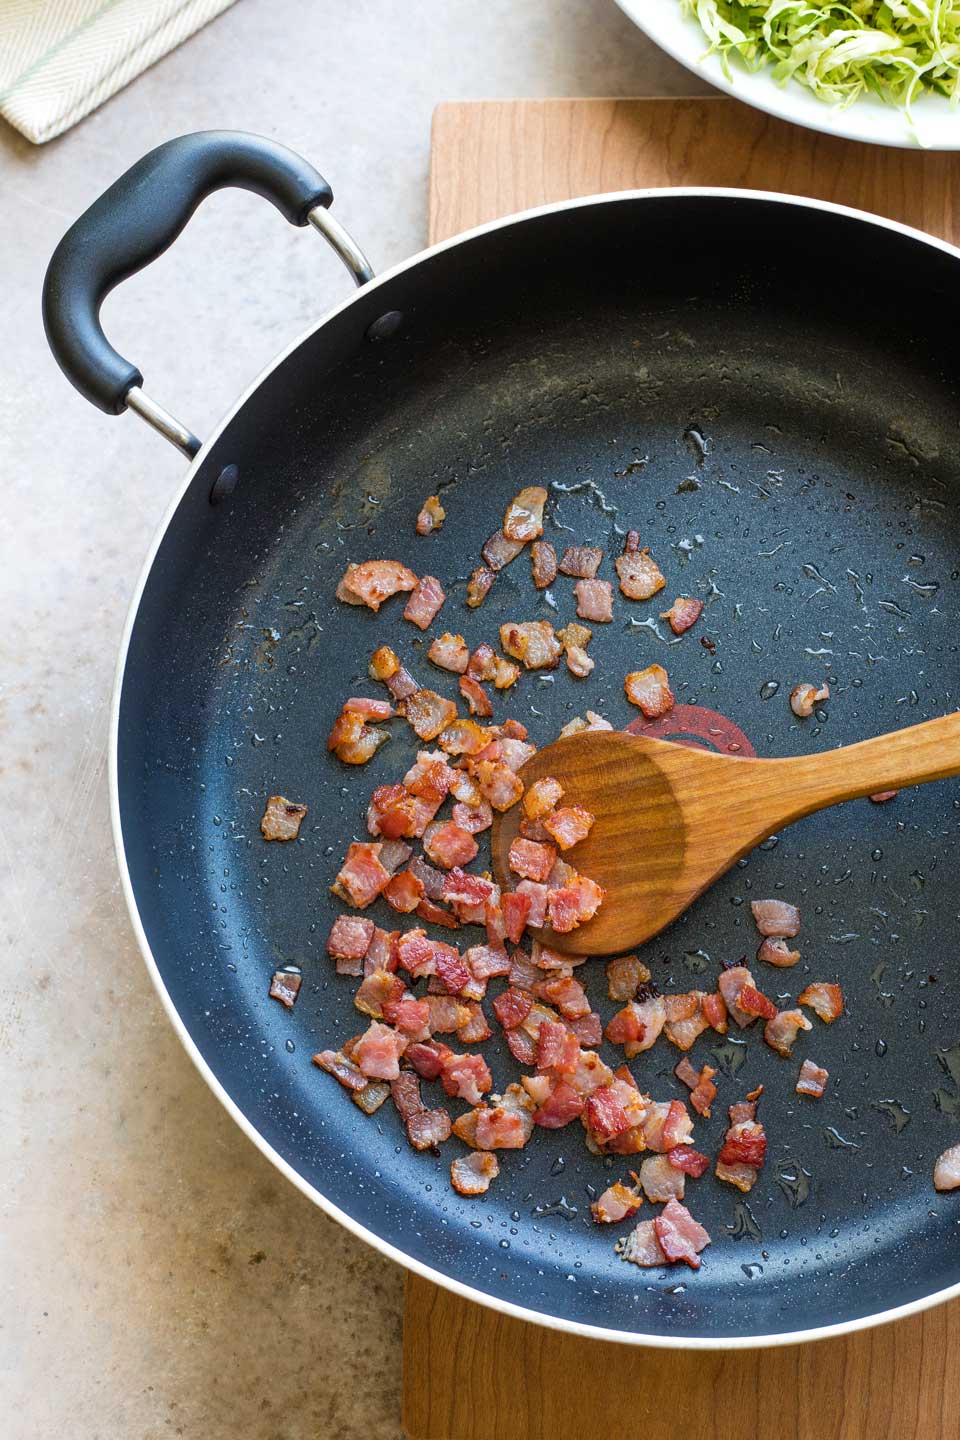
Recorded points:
(483, 662)
(650, 691)
(361, 876)
(524, 518)
(450, 968)
(882, 796)
(775, 951)
(506, 1123)
(448, 845)
(499, 550)
(427, 1060)
(745, 1109)
(666, 1124)
(588, 1028)
(574, 903)
(468, 890)
(425, 602)
(478, 586)
(684, 1157)
(536, 896)
(594, 600)
(626, 1026)
(429, 1128)
(411, 1017)
(577, 725)
(591, 1074)
(542, 797)
(683, 613)
(373, 581)
(744, 1177)
(826, 1000)
(804, 697)
(730, 983)
(516, 911)
(383, 663)
(447, 1013)
(946, 1172)
(428, 713)
(514, 752)
(639, 574)
(660, 1179)
(487, 960)
(352, 740)
(350, 940)
(472, 1174)
(642, 1247)
(715, 1012)
(285, 987)
(512, 1007)
(776, 917)
(685, 1073)
(450, 652)
(751, 1002)
(534, 643)
(544, 561)
(497, 783)
(618, 1202)
(562, 1105)
(781, 1032)
(402, 685)
(464, 737)
(431, 516)
(341, 1068)
(371, 1097)
(432, 880)
(415, 953)
(466, 1077)
(378, 1051)
(704, 1092)
(282, 818)
(744, 1144)
(393, 812)
(680, 1236)
(558, 1049)
(624, 975)
(566, 995)
(812, 1080)
(575, 638)
(650, 1011)
(569, 825)
(478, 701)
(368, 709)
(431, 777)
(404, 892)
(381, 954)
(606, 1114)
(394, 854)
(476, 1028)
(581, 561)
(685, 1019)
(437, 914)
(530, 860)
(379, 993)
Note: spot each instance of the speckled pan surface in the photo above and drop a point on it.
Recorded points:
(577, 348)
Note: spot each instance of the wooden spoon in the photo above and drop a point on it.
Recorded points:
(671, 819)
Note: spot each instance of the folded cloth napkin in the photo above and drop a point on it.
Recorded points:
(60, 59)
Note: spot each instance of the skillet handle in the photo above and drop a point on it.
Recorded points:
(134, 221)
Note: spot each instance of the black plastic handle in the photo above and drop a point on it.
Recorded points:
(135, 221)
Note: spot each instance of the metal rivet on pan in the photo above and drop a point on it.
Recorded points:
(385, 326)
(225, 484)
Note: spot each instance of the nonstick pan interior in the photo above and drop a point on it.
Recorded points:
(768, 394)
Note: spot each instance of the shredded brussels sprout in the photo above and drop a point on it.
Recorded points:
(896, 49)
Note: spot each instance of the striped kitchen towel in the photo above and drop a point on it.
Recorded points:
(60, 59)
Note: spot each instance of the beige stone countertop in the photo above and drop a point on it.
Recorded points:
(159, 1277)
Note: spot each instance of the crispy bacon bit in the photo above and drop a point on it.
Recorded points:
(516, 912)
(536, 897)
(542, 796)
(534, 643)
(450, 652)
(804, 697)
(577, 725)
(504, 1124)
(647, 1018)
(581, 561)
(499, 551)
(567, 995)
(425, 602)
(336, 1064)
(683, 1028)
(285, 987)
(371, 1097)
(530, 860)
(569, 825)
(483, 961)
(405, 1092)
(594, 600)
(558, 1049)
(450, 969)
(744, 1144)
(472, 1174)
(437, 914)
(507, 674)
(685, 1073)
(368, 709)
(730, 983)
(352, 740)
(588, 1028)
(684, 1157)
(946, 1172)
(431, 517)
(704, 1092)
(379, 994)
(378, 1051)
(680, 1236)
(624, 975)
(361, 876)
(524, 518)
(514, 752)
(476, 697)
(640, 575)
(775, 951)
(373, 581)
(579, 662)
(575, 638)
(683, 613)
(381, 953)
(781, 1032)
(447, 1014)
(660, 1179)
(281, 818)
(642, 1247)
(744, 1177)
(429, 1128)
(650, 691)
(751, 1002)
(466, 1077)
(383, 663)
(464, 737)
(394, 855)
(404, 892)
(812, 1080)
(402, 685)
(544, 561)
(429, 713)
(497, 783)
(715, 1012)
(576, 902)
(349, 940)
(476, 1028)
(617, 1203)
(512, 1007)
(776, 917)
(411, 1017)
(826, 1000)
(478, 586)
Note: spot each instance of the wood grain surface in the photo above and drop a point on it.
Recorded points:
(470, 1373)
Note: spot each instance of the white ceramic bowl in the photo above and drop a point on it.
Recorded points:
(936, 124)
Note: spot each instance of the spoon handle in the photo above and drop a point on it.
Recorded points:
(930, 751)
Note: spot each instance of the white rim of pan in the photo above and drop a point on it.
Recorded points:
(519, 1312)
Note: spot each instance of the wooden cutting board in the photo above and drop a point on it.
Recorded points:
(469, 1373)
